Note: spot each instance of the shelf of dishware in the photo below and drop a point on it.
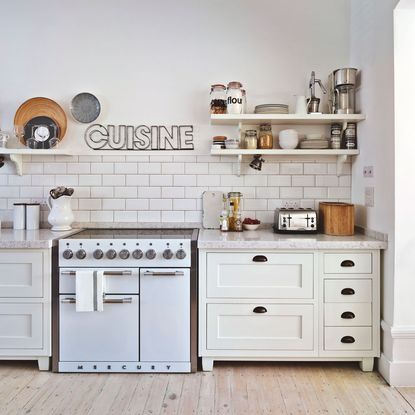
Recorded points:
(36, 152)
(285, 119)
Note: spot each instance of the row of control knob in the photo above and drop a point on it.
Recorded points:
(124, 254)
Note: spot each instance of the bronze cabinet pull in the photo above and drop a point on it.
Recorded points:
(347, 263)
(347, 339)
(260, 310)
(260, 258)
(348, 291)
(348, 315)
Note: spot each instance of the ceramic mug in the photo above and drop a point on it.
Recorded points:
(301, 105)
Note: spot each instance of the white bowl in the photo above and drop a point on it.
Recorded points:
(251, 227)
(288, 139)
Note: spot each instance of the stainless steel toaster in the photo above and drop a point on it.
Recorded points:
(295, 221)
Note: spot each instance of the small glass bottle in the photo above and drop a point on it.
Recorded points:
(243, 101)
(234, 99)
(251, 140)
(265, 139)
(218, 99)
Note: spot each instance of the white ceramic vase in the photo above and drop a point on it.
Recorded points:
(60, 215)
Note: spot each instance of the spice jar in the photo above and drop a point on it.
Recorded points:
(265, 139)
(251, 140)
(234, 98)
(218, 99)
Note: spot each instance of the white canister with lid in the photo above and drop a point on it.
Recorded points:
(19, 216)
(234, 98)
(32, 216)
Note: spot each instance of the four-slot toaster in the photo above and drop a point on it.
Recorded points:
(295, 221)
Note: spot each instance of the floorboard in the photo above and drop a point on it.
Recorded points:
(232, 388)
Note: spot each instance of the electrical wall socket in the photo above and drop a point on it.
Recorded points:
(290, 204)
(369, 196)
(368, 171)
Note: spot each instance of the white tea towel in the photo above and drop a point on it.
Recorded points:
(99, 282)
(84, 289)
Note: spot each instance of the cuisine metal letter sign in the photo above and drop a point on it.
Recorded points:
(142, 137)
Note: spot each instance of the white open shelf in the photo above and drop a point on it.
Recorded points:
(282, 152)
(309, 119)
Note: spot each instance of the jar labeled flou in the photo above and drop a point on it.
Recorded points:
(234, 98)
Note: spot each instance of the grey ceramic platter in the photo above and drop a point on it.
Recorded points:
(85, 107)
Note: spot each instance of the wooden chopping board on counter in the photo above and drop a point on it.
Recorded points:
(212, 204)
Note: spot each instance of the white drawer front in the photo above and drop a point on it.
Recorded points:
(243, 275)
(348, 263)
(348, 338)
(21, 274)
(21, 326)
(239, 327)
(348, 314)
(348, 291)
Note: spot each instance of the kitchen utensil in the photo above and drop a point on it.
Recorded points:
(212, 205)
(85, 107)
(60, 215)
(342, 91)
(337, 218)
(36, 107)
(288, 139)
(32, 216)
(295, 221)
(314, 102)
(301, 105)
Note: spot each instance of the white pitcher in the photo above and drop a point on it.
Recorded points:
(60, 216)
(301, 105)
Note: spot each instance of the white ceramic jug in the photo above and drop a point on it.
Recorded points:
(60, 216)
(301, 105)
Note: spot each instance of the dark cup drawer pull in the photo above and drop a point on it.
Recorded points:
(348, 315)
(347, 263)
(347, 339)
(260, 310)
(260, 258)
(347, 291)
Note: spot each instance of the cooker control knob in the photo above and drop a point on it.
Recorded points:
(111, 253)
(124, 254)
(168, 254)
(151, 254)
(137, 254)
(98, 254)
(181, 254)
(67, 254)
(81, 254)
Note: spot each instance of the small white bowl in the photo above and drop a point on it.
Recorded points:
(232, 144)
(251, 227)
(288, 139)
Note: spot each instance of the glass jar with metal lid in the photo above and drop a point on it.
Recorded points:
(251, 139)
(218, 99)
(235, 211)
(234, 98)
(265, 139)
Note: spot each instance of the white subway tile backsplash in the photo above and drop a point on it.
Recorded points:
(232, 180)
(66, 179)
(193, 216)
(136, 204)
(194, 192)
(125, 168)
(184, 204)
(220, 168)
(315, 192)
(79, 168)
(172, 168)
(54, 168)
(257, 180)
(161, 180)
(125, 192)
(327, 180)
(102, 168)
(149, 168)
(19, 180)
(105, 191)
(102, 216)
(291, 192)
(90, 204)
(116, 158)
(149, 216)
(196, 168)
(268, 192)
(137, 180)
(32, 168)
(255, 204)
(315, 168)
(303, 181)
(137, 158)
(148, 192)
(113, 204)
(172, 216)
(184, 180)
(112, 180)
(291, 168)
(172, 192)
(207, 180)
(90, 180)
(279, 181)
(32, 191)
(339, 193)
(125, 216)
(161, 204)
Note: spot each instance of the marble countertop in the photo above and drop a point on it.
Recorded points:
(267, 239)
(38, 239)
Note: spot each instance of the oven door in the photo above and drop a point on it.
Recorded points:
(110, 335)
(165, 315)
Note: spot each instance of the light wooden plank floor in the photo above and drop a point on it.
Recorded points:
(232, 388)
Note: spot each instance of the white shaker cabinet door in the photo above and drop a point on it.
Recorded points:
(21, 326)
(21, 274)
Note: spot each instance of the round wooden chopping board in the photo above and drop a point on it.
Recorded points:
(40, 106)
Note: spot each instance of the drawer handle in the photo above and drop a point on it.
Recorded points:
(260, 258)
(260, 310)
(127, 300)
(347, 263)
(347, 291)
(348, 315)
(348, 339)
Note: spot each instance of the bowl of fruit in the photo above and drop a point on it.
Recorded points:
(251, 224)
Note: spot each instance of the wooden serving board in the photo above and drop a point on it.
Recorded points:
(38, 106)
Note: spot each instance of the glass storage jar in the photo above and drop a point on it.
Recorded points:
(265, 139)
(251, 139)
(234, 98)
(218, 99)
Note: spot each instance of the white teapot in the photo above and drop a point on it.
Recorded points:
(61, 215)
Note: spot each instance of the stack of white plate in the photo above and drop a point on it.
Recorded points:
(314, 144)
(271, 109)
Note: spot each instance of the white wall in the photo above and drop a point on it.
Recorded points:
(153, 62)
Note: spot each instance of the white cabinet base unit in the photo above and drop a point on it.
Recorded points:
(25, 305)
(288, 305)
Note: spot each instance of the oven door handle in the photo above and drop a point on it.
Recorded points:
(125, 300)
(106, 273)
(163, 273)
